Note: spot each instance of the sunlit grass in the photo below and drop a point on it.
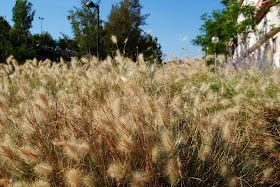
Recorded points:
(118, 122)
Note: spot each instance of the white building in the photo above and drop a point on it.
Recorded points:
(266, 37)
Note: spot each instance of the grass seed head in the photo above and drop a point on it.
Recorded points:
(267, 173)
(44, 169)
(233, 182)
(138, 179)
(40, 183)
(114, 39)
(73, 178)
(172, 170)
(116, 171)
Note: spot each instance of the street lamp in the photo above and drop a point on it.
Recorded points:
(41, 18)
(215, 40)
(90, 4)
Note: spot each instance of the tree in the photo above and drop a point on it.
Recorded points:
(151, 48)
(67, 43)
(44, 39)
(23, 16)
(84, 25)
(223, 23)
(6, 48)
(4, 26)
(124, 22)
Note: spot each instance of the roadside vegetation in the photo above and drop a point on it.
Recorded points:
(119, 123)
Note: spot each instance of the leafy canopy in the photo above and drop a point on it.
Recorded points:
(223, 23)
(84, 25)
(23, 16)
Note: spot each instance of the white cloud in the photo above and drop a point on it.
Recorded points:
(185, 38)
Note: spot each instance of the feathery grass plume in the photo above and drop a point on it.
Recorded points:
(84, 60)
(221, 58)
(9, 59)
(44, 169)
(118, 107)
(88, 181)
(225, 102)
(269, 143)
(125, 143)
(40, 183)
(139, 179)
(231, 111)
(40, 113)
(25, 90)
(166, 141)
(35, 62)
(156, 153)
(130, 88)
(141, 58)
(73, 178)
(172, 171)
(160, 118)
(29, 154)
(223, 171)
(267, 173)
(7, 153)
(177, 104)
(116, 171)
(42, 100)
(233, 182)
(4, 105)
(10, 69)
(205, 152)
(226, 130)
(19, 184)
(5, 182)
(205, 87)
(240, 98)
(114, 39)
(74, 149)
(149, 105)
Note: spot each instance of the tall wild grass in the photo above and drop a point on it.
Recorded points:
(121, 123)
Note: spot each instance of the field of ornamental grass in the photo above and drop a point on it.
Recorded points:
(120, 123)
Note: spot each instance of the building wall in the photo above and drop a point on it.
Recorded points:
(265, 40)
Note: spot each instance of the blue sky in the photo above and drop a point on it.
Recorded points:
(175, 22)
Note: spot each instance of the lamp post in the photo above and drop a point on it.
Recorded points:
(41, 18)
(90, 4)
(215, 40)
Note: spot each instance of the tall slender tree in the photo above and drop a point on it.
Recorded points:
(23, 16)
(84, 25)
(125, 21)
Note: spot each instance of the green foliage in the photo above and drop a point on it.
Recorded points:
(67, 43)
(223, 23)
(84, 25)
(4, 26)
(24, 52)
(150, 48)
(23, 16)
(6, 49)
(124, 22)
(44, 38)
